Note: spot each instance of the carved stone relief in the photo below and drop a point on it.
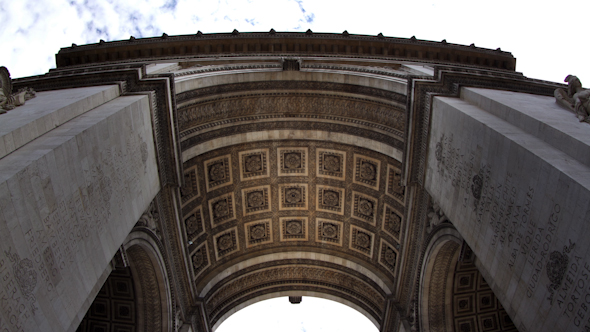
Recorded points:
(574, 98)
(292, 161)
(330, 199)
(258, 232)
(388, 256)
(218, 172)
(222, 209)
(200, 260)
(293, 196)
(364, 208)
(256, 200)
(293, 228)
(9, 100)
(253, 164)
(435, 216)
(361, 240)
(331, 164)
(392, 221)
(226, 242)
(366, 171)
(329, 231)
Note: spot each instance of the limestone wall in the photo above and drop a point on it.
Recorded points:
(68, 199)
(511, 171)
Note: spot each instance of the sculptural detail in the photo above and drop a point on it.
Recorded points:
(436, 216)
(9, 100)
(575, 98)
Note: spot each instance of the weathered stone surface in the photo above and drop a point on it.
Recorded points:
(501, 167)
(67, 201)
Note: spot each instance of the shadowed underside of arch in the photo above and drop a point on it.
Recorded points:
(293, 186)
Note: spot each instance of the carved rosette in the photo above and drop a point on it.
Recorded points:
(253, 164)
(364, 208)
(194, 224)
(331, 164)
(190, 189)
(361, 240)
(258, 232)
(329, 231)
(292, 161)
(293, 196)
(394, 187)
(256, 200)
(366, 171)
(293, 228)
(218, 172)
(200, 260)
(221, 209)
(392, 221)
(388, 256)
(226, 242)
(330, 199)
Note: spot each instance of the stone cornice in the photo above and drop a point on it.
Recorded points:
(284, 43)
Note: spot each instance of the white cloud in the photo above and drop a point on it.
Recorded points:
(545, 37)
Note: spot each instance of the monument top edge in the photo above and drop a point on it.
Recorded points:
(278, 35)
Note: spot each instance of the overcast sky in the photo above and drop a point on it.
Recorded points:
(548, 38)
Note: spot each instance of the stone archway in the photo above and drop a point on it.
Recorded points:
(436, 282)
(155, 307)
(454, 296)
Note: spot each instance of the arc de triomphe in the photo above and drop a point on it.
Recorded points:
(162, 184)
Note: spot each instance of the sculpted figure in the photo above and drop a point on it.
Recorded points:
(435, 216)
(8, 100)
(5, 90)
(574, 98)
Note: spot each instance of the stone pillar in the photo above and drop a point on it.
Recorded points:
(82, 174)
(511, 170)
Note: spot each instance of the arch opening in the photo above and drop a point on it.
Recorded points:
(273, 312)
